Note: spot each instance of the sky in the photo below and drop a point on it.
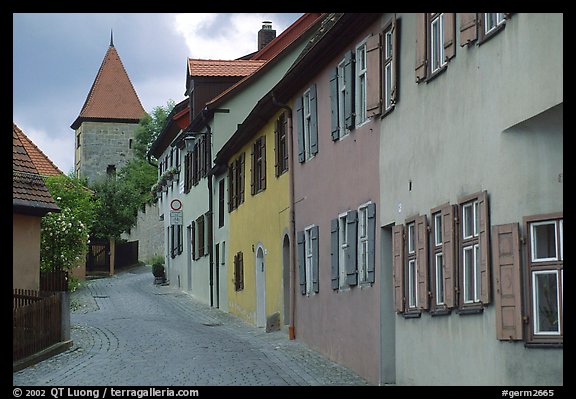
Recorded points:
(56, 58)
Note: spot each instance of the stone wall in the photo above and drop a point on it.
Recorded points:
(148, 231)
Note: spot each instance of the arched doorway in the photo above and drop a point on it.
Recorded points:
(260, 288)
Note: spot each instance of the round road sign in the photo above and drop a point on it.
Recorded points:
(176, 204)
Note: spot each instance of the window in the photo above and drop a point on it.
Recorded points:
(360, 83)
(200, 236)
(281, 144)
(258, 173)
(111, 171)
(308, 262)
(412, 289)
(236, 183)
(389, 72)
(435, 44)
(437, 259)
(481, 26)
(442, 259)
(343, 247)
(196, 163)
(238, 272)
(363, 244)
(546, 277)
(221, 203)
(176, 240)
(474, 268)
(307, 120)
(78, 140)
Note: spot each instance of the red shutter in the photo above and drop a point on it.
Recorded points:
(421, 225)
(421, 47)
(398, 267)
(508, 296)
(484, 241)
(374, 73)
(449, 36)
(449, 254)
(468, 28)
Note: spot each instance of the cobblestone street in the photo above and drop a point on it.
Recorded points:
(129, 332)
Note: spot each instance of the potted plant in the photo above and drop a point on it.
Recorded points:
(159, 273)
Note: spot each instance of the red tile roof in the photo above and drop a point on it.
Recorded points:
(200, 67)
(112, 95)
(44, 166)
(29, 193)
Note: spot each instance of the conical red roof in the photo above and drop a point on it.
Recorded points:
(112, 96)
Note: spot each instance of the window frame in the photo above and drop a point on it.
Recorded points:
(434, 69)
(258, 173)
(485, 34)
(362, 251)
(360, 83)
(281, 144)
(342, 247)
(343, 131)
(542, 266)
(307, 124)
(437, 251)
(309, 260)
(411, 269)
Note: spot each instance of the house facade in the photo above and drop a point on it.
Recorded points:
(256, 159)
(471, 201)
(30, 202)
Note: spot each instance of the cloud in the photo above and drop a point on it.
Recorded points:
(223, 36)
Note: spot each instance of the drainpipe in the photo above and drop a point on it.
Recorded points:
(292, 226)
(210, 208)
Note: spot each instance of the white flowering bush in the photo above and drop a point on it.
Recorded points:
(63, 240)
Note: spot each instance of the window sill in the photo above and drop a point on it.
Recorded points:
(412, 314)
(470, 310)
(541, 345)
(440, 312)
(438, 72)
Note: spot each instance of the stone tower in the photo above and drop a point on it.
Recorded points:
(106, 124)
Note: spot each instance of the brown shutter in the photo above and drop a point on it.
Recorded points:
(507, 295)
(240, 172)
(484, 242)
(253, 168)
(449, 36)
(277, 160)
(398, 267)
(374, 72)
(421, 47)
(449, 254)
(421, 225)
(263, 165)
(468, 28)
(193, 239)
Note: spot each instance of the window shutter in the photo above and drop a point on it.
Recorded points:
(334, 103)
(349, 92)
(468, 28)
(374, 73)
(253, 168)
(231, 191)
(449, 35)
(398, 267)
(300, 122)
(421, 47)
(241, 269)
(449, 254)
(371, 242)
(236, 272)
(240, 172)
(395, 59)
(483, 233)
(193, 239)
(422, 261)
(287, 137)
(313, 120)
(277, 154)
(352, 249)
(315, 259)
(301, 261)
(334, 253)
(507, 298)
(263, 170)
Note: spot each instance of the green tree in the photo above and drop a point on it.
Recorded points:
(150, 128)
(64, 234)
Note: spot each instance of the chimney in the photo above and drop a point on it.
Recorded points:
(265, 35)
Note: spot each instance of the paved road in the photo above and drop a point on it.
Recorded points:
(129, 332)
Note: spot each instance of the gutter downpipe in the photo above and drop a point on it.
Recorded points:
(210, 208)
(292, 226)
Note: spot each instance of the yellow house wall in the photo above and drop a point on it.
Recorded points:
(262, 219)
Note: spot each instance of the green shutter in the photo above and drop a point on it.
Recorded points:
(334, 104)
(300, 124)
(334, 250)
(313, 120)
(349, 92)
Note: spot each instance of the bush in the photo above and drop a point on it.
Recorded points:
(158, 270)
